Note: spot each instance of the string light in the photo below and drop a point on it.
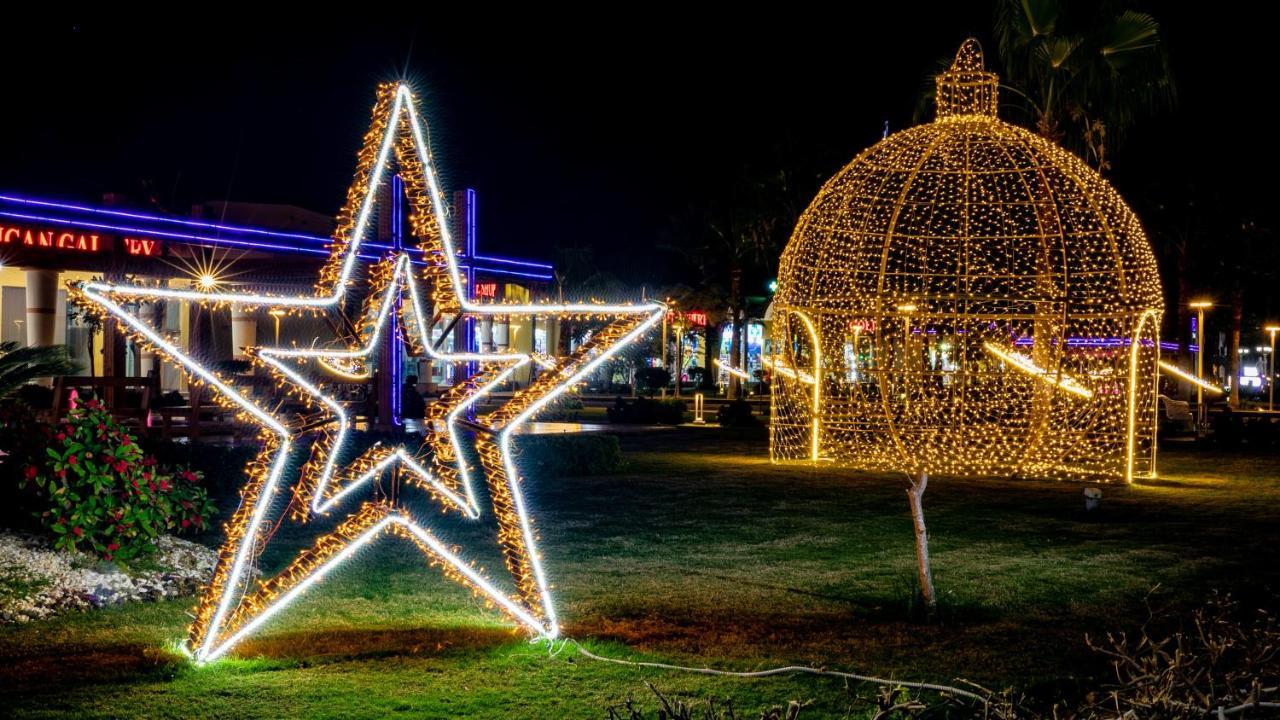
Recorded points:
(1028, 366)
(235, 604)
(1184, 375)
(731, 369)
(919, 266)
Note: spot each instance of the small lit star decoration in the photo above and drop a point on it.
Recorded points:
(967, 298)
(238, 600)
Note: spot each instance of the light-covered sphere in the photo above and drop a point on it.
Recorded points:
(967, 298)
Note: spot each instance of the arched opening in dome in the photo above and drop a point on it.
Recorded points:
(1143, 395)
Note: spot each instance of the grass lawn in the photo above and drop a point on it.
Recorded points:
(701, 553)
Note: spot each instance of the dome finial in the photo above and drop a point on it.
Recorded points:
(966, 88)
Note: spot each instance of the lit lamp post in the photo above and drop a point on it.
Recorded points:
(908, 359)
(276, 314)
(1200, 306)
(679, 353)
(1271, 372)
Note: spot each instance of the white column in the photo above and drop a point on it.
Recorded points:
(42, 306)
(147, 357)
(486, 334)
(501, 334)
(244, 331)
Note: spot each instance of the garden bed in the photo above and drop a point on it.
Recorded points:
(38, 581)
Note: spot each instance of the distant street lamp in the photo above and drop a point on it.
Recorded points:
(1271, 373)
(1200, 306)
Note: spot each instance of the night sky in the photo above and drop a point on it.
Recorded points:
(581, 130)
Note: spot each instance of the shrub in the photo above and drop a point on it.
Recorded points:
(221, 466)
(101, 494)
(23, 440)
(646, 411)
(34, 396)
(568, 454)
(566, 408)
(653, 378)
(737, 414)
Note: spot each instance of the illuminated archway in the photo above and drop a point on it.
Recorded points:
(1143, 398)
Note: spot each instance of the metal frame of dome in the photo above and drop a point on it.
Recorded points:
(967, 298)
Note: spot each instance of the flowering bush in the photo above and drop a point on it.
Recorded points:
(100, 493)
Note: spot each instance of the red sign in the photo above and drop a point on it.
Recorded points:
(486, 290)
(50, 239)
(144, 247)
(696, 317)
(863, 325)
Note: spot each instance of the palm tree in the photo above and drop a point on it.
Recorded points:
(20, 365)
(1086, 76)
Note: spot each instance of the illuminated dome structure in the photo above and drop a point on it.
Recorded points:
(967, 298)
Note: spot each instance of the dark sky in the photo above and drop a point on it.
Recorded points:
(576, 130)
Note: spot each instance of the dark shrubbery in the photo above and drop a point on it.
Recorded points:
(646, 411)
(737, 414)
(651, 379)
(541, 456)
(97, 491)
(566, 408)
(222, 465)
(34, 396)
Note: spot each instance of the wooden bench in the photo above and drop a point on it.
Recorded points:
(114, 392)
(199, 418)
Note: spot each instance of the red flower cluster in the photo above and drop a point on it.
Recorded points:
(104, 494)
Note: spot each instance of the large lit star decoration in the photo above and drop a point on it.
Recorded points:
(237, 601)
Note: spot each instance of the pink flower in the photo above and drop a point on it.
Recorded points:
(30, 472)
(73, 460)
(77, 531)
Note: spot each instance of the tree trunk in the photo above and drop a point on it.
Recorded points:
(710, 353)
(1233, 351)
(915, 495)
(736, 312)
(1183, 318)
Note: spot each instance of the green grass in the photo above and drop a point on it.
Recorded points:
(702, 553)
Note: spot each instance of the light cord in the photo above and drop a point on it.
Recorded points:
(784, 670)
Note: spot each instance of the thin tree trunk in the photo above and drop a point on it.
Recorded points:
(710, 353)
(736, 311)
(1233, 351)
(915, 495)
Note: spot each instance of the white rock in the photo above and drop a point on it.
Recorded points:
(61, 580)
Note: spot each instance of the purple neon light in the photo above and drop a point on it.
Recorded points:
(159, 233)
(1103, 342)
(205, 239)
(515, 262)
(161, 218)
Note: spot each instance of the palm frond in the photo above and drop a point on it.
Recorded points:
(20, 365)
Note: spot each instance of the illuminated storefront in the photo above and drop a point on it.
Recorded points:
(44, 244)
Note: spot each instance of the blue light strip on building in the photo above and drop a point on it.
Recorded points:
(176, 229)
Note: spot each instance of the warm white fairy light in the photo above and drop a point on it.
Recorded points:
(1183, 374)
(225, 615)
(731, 369)
(972, 300)
(1028, 366)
